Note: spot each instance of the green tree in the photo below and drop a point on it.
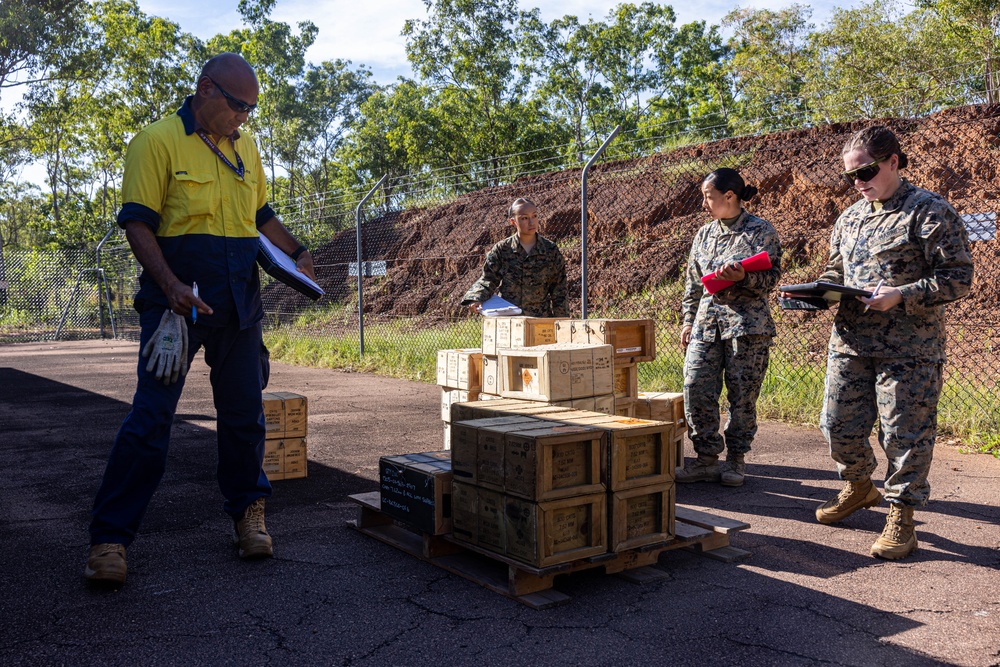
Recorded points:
(768, 66)
(976, 26)
(36, 38)
(878, 60)
(470, 53)
(328, 98)
(635, 69)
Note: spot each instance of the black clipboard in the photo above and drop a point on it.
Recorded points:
(824, 290)
(280, 266)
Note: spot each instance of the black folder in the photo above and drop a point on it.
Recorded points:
(280, 266)
(816, 296)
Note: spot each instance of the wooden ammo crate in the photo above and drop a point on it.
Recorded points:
(285, 415)
(416, 489)
(450, 396)
(465, 443)
(477, 516)
(557, 461)
(662, 406)
(503, 407)
(556, 531)
(512, 332)
(285, 458)
(460, 369)
(556, 372)
(626, 381)
(668, 407)
(491, 375)
(491, 449)
(640, 516)
(640, 451)
(631, 340)
(625, 407)
(464, 511)
(603, 404)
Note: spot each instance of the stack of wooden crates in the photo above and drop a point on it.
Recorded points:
(548, 462)
(286, 417)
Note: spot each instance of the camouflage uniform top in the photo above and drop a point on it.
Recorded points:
(534, 281)
(916, 243)
(741, 309)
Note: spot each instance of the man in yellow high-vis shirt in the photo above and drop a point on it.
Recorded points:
(194, 203)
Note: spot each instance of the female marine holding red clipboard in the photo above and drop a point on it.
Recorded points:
(734, 264)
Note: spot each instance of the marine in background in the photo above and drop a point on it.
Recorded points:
(526, 269)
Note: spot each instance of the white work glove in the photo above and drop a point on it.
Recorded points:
(168, 348)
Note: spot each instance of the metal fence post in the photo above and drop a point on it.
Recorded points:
(361, 304)
(583, 221)
(100, 280)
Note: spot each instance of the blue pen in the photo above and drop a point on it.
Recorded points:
(194, 309)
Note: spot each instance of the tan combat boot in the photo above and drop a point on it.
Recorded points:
(733, 470)
(251, 535)
(898, 539)
(705, 468)
(106, 564)
(851, 498)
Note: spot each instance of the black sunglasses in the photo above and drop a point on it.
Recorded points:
(865, 172)
(235, 103)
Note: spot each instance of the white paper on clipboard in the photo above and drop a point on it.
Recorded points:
(497, 307)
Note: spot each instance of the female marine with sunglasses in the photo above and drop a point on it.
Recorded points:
(909, 247)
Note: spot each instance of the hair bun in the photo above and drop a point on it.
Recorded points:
(903, 160)
(749, 192)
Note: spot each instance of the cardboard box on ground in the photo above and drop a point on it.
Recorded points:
(286, 418)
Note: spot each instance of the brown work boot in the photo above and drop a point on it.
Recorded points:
(705, 468)
(106, 564)
(898, 539)
(734, 470)
(851, 498)
(251, 534)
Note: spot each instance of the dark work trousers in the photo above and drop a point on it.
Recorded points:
(239, 370)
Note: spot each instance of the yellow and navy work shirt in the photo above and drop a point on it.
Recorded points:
(204, 215)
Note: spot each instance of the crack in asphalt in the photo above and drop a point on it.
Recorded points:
(349, 660)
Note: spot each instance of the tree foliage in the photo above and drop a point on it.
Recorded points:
(495, 93)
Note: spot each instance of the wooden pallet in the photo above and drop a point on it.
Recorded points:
(697, 531)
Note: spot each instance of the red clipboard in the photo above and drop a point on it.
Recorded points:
(759, 262)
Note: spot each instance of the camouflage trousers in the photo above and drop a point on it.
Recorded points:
(739, 362)
(902, 395)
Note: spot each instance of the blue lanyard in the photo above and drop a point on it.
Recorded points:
(222, 156)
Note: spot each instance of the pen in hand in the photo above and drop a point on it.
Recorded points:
(194, 308)
(874, 294)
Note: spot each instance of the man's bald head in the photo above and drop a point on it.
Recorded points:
(228, 67)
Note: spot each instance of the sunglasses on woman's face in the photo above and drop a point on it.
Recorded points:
(865, 172)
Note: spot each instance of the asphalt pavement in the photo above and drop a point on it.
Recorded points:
(808, 594)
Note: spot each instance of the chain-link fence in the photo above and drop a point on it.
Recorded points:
(423, 242)
(68, 294)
